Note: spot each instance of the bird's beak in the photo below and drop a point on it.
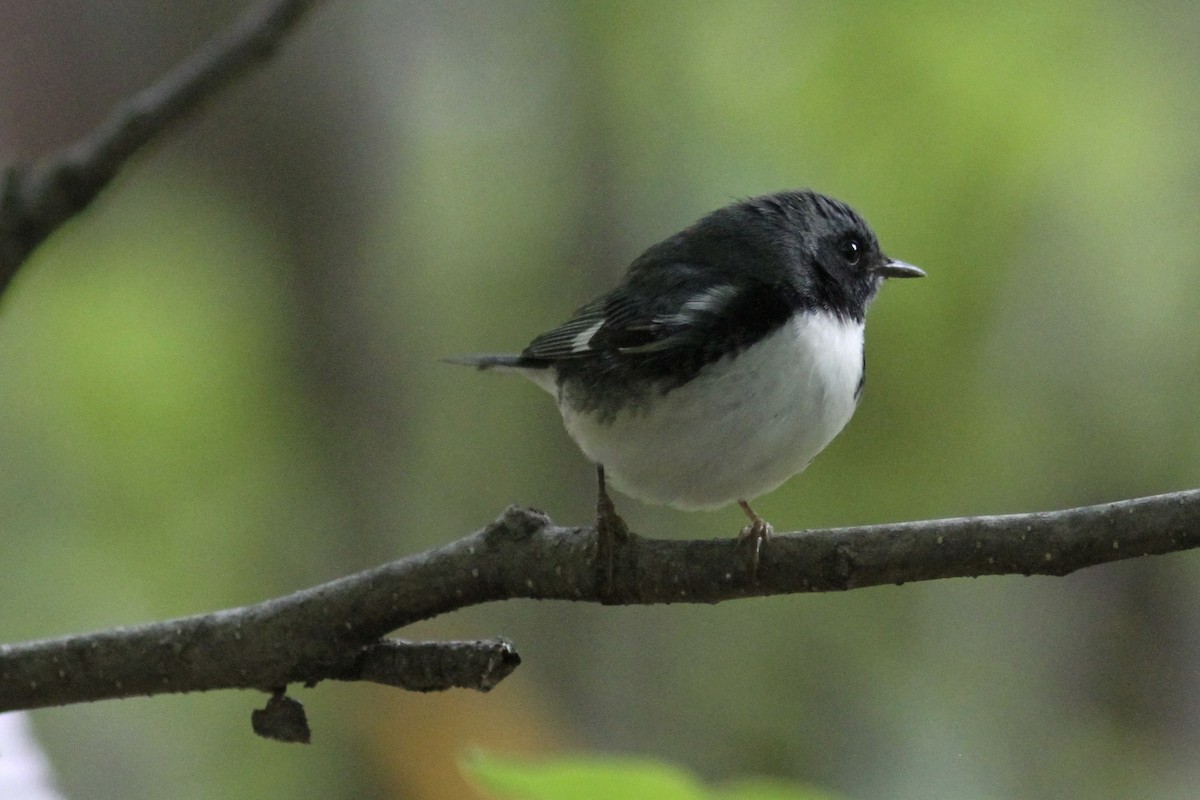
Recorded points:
(899, 269)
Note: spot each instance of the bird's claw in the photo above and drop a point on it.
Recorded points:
(754, 536)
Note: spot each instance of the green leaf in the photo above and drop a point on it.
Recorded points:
(582, 778)
(595, 778)
(768, 789)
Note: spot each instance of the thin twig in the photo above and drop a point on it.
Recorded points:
(35, 201)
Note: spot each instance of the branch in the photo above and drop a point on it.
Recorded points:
(35, 201)
(335, 630)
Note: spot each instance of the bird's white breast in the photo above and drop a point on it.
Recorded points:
(742, 427)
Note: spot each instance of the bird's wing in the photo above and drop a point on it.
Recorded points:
(632, 322)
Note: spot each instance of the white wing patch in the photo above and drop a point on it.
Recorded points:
(674, 325)
(709, 300)
(583, 340)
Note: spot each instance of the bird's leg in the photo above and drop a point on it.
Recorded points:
(607, 519)
(611, 530)
(755, 534)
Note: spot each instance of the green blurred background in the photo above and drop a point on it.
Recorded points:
(222, 382)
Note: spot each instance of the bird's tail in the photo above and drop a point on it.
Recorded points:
(493, 361)
(537, 370)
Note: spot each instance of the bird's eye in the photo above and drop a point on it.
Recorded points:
(852, 250)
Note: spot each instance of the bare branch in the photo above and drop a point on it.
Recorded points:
(416, 666)
(35, 201)
(335, 630)
(434, 666)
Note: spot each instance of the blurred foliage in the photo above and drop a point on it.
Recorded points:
(222, 382)
(603, 779)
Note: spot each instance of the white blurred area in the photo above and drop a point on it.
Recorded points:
(24, 771)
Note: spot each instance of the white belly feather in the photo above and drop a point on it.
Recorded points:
(740, 429)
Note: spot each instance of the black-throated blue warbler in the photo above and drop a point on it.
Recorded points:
(727, 357)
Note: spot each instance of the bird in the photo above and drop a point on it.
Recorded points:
(723, 361)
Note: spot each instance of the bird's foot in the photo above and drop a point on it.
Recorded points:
(754, 536)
